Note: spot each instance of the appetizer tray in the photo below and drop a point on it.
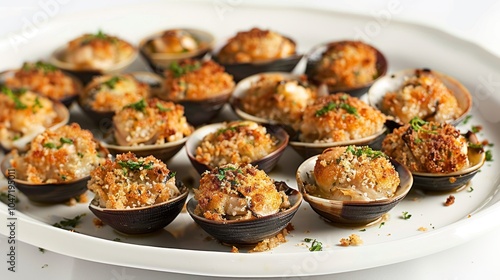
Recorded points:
(183, 247)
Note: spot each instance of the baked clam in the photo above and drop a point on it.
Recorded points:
(201, 86)
(352, 185)
(346, 66)
(274, 98)
(439, 157)
(39, 173)
(237, 142)
(94, 54)
(152, 127)
(45, 79)
(106, 94)
(242, 204)
(25, 114)
(338, 120)
(162, 48)
(422, 93)
(256, 51)
(136, 195)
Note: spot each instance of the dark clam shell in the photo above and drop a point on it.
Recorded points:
(144, 219)
(246, 232)
(198, 112)
(266, 163)
(49, 193)
(451, 181)
(243, 70)
(314, 56)
(163, 152)
(307, 150)
(351, 212)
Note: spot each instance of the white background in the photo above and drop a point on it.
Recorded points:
(477, 21)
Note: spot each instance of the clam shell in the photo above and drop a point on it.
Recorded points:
(159, 62)
(49, 193)
(314, 56)
(246, 232)
(143, 219)
(394, 81)
(351, 212)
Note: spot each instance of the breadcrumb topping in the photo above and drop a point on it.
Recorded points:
(352, 240)
(256, 45)
(132, 182)
(339, 117)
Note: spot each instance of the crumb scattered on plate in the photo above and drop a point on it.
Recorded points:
(97, 223)
(352, 240)
(450, 200)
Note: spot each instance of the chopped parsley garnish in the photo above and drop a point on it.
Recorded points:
(171, 175)
(80, 155)
(364, 229)
(365, 150)
(138, 106)
(18, 105)
(162, 108)
(135, 165)
(231, 128)
(111, 83)
(471, 189)
(476, 128)
(334, 106)
(65, 140)
(99, 36)
(416, 124)
(37, 103)
(315, 246)
(41, 250)
(69, 224)
(489, 155)
(417, 140)
(381, 224)
(406, 215)
(49, 145)
(222, 172)
(179, 70)
(63, 177)
(39, 65)
(466, 119)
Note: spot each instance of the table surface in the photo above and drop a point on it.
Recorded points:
(476, 259)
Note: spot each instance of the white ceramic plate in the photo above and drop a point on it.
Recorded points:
(184, 248)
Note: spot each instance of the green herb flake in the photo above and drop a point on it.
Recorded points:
(327, 108)
(49, 145)
(308, 240)
(476, 128)
(14, 96)
(418, 140)
(41, 250)
(178, 70)
(162, 108)
(117, 239)
(489, 155)
(222, 172)
(406, 215)
(69, 224)
(474, 145)
(470, 189)
(416, 124)
(39, 65)
(171, 174)
(467, 119)
(111, 83)
(63, 177)
(350, 109)
(65, 140)
(381, 224)
(37, 104)
(365, 150)
(363, 229)
(135, 165)
(316, 246)
(138, 106)
(80, 155)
